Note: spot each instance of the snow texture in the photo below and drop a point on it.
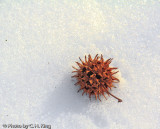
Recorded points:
(40, 42)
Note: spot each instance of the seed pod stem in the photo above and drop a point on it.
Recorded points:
(119, 100)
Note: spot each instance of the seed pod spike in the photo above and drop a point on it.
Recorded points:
(81, 89)
(108, 61)
(81, 60)
(115, 72)
(77, 83)
(86, 59)
(89, 57)
(113, 68)
(74, 67)
(74, 76)
(102, 60)
(95, 58)
(99, 98)
(74, 71)
(83, 93)
(104, 96)
(95, 96)
(80, 65)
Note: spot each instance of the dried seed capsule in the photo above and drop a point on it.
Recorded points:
(95, 77)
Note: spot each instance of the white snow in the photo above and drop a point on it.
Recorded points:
(40, 42)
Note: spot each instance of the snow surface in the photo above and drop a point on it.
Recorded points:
(41, 40)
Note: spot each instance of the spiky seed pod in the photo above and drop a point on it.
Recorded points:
(95, 77)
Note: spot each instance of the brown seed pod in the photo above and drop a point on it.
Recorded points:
(95, 77)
